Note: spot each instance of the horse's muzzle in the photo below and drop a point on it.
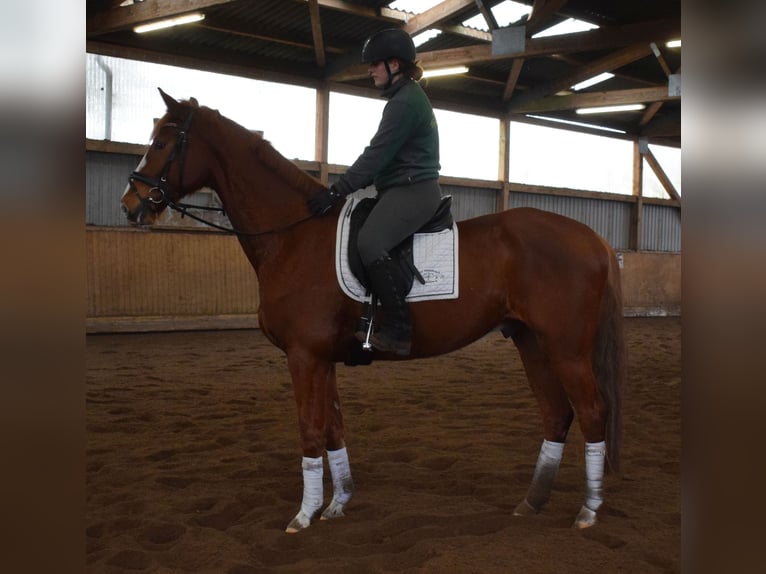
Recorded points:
(134, 208)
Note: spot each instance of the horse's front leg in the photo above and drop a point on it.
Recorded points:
(321, 427)
(337, 456)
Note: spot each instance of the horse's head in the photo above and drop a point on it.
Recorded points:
(165, 173)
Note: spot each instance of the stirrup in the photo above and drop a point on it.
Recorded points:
(364, 326)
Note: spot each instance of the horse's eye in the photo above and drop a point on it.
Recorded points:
(159, 145)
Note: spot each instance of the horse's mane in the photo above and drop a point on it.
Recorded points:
(287, 170)
(264, 151)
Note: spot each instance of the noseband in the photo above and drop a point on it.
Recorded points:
(159, 184)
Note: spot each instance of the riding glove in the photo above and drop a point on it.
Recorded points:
(323, 201)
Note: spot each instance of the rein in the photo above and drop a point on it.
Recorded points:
(183, 208)
(159, 184)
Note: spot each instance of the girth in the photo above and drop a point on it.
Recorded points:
(403, 252)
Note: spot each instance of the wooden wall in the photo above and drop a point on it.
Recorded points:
(651, 284)
(150, 280)
(142, 280)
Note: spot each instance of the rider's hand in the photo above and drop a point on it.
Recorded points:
(323, 201)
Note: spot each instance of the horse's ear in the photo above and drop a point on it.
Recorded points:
(169, 101)
(193, 101)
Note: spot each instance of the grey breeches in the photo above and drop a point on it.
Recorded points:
(400, 212)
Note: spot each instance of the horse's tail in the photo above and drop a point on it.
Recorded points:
(609, 360)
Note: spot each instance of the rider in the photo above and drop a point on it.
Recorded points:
(402, 161)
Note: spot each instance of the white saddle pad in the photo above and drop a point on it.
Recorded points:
(435, 255)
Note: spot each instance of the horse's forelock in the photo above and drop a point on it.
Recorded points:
(190, 103)
(159, 123)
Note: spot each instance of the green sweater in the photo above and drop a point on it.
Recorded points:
(405, 148)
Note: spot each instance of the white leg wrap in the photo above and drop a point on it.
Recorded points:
(595, 453)
(545, 473)
(342, 484)
(313, 492)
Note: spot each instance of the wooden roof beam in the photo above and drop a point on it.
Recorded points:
(122, 17)
(542, 13)
(608, 63)
(392, 16)
(650, 112)
(316, 32)
(573, 61)
(489, 17)
(661, 59)
(670, 189)
(382, 13)
(197, 63)
(594, 99)
(287, 41)
(513, 78)
(439, 13)
(465, 32)
(662, 126)
(600, 39)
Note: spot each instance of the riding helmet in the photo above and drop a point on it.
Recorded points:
(389, 43)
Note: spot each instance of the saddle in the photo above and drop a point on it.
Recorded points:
(403, 252)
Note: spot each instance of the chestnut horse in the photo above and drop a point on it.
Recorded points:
(549, 283)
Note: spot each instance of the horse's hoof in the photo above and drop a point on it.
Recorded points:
(333, 510)
(300, 522)
(585, 519)
(525, 509)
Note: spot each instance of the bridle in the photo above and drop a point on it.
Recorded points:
(159, 184)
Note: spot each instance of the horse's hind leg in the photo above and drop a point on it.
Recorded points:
(581, 387)
(557, 417)
(574, 372)
(563, 387)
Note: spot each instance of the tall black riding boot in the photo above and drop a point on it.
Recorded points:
(395, 335)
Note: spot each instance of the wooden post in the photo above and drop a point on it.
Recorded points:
(670, 189)
(503, 168)
(638, 207)
(322, 135)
